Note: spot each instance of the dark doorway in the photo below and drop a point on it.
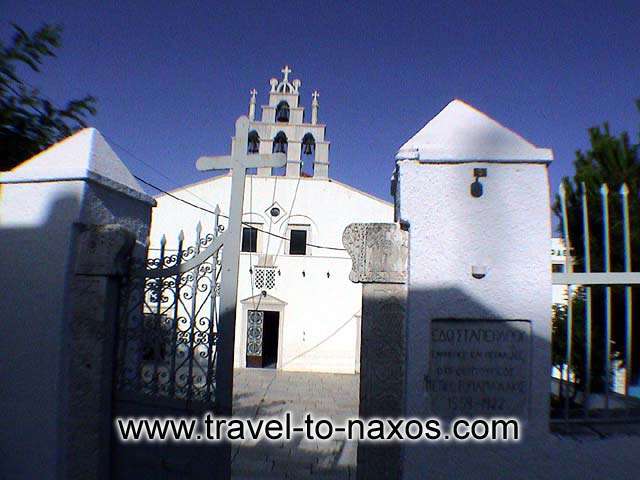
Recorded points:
(270, 340)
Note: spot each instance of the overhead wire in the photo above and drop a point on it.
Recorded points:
(175, 197)
(293, 202)
(252, 273)
(151, 167)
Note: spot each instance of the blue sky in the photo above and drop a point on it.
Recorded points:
(172, 77)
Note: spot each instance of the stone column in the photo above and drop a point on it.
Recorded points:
(293, 158)
(101, 261)
(321, 162)
(379, 254)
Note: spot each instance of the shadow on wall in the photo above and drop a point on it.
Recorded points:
(321, 342)
(469, 339)
(34, 274)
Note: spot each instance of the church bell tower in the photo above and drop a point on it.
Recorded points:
(282, 128)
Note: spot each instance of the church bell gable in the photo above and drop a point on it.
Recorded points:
(282, 127)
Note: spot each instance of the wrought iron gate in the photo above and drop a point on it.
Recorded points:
(169, 324)
(177, 330)
(166, 357)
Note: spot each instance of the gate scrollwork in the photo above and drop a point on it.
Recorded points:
(168, 323)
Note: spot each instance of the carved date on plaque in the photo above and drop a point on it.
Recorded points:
(479, 368)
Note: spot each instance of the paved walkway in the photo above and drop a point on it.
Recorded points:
(265, 393)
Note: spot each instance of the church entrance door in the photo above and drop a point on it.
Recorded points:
(263, 331)
(270, 339)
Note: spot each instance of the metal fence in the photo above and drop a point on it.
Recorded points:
(593, 339)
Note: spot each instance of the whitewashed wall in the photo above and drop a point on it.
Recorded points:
(44, 204)
(319, 324)
(507, 230)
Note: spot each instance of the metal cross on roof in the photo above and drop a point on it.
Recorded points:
(238, 162)
(286, 71)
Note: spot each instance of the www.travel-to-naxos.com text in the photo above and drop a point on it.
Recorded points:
(210, 428)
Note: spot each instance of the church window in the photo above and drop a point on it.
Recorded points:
(282, 112)
(253, 143)
(280, 143)
(265, 278)
(249, 239)
(298, 241)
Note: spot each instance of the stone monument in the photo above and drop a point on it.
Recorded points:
(379, 255)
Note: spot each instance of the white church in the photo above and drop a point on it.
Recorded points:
(297, 309)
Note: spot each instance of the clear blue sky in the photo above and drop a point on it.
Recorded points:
(171, 77)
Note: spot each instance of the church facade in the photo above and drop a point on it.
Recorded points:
(297, 309)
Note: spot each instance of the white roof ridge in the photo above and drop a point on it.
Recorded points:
(461, 132)
(85, 155)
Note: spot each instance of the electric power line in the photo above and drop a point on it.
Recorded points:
(150, 167)
(225, 216)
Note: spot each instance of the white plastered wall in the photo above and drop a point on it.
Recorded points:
(319, 323)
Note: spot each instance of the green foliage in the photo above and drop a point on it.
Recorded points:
(578, 339)
(29, 122)
(612, 160)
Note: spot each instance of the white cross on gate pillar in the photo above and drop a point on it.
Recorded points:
(238, 162)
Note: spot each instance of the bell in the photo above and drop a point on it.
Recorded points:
(282, 112)
(307, 148)
(253, 143)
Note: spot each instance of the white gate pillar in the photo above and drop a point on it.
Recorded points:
(476, 197)
(68, 218)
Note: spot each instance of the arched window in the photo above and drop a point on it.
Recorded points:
(308, 152)
(280, 143)
(282, 112)
(253, 142)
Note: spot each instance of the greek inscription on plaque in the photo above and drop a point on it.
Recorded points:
(479, 368)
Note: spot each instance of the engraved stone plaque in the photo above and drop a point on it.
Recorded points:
(378, 252)
(479, 368)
